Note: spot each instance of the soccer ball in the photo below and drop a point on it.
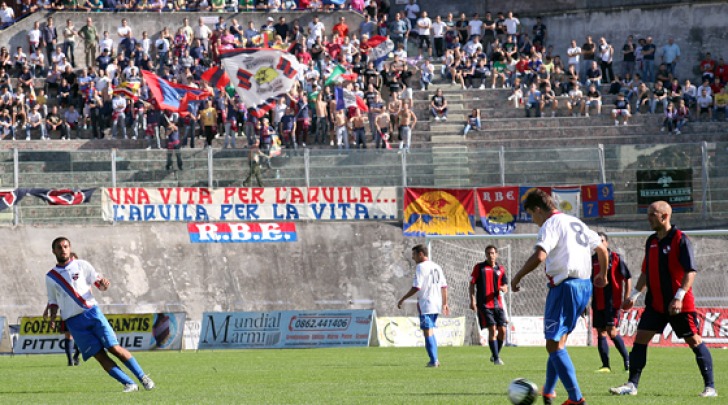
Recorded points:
(522, 392)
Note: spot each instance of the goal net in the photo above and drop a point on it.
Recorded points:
(458, 254)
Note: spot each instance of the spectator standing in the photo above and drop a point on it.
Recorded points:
(648, 61)
(118, 116)
(628, 57)
(424, 26)
(439, 28)
(126, 38)
(606, 56)
(539, 32)
(90, 38)
(512, 25)
(208, 120)
(574, 53)
(49, 36)
(34, 36)
(671, 54)
(69, 42)
(173, 145)
(412, 10)
(588, 53)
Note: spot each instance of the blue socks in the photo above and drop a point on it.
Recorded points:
(119, 376)
(566, 372)
(637, 361)
(619, 345)
(705, 363)
(134, 367)
(494, 349)
(431, 347)
(603, 348)
(500, 343)
(549, 387)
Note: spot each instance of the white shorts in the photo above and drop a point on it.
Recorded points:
(407, 94)
(621, 112)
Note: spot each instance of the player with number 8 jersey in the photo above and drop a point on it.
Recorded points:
(566, 246)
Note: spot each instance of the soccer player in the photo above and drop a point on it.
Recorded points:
(566, 245)
(431, 289)
(490, 281)
(607, 304)
(72, 352)
(69, 288)
(668, 272)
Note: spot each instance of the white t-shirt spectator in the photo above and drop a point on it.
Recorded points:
(317, 30)
(161, 45)
(574, 55)
(423, 26)
(119, 104)
(102, 82)
(704, 101)
(34, 117)
(106, 43)
(438, 29)
(475, 27)
(7, 15)
(124, 31)
(112, 70)
(34, 37)
(412, 10)
(36, 58)
(202, 32)
(512, 25)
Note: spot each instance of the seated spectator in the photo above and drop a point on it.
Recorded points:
(6, 125)
(659, 96)
(705, 86)
(707, 66)
(548, 99)
(663, 75)
(20, 59)
(5, 59)
(593, 75)
(576, 99)
(721, 103)
(25, 78)
(533, 101)
(36, 61)
(690, 93)
(438, 106)
(670, 118)
(593, 99)
(35, 122)
(683, 114)
(71, 120)
(481, 73)
(721, 71)
(704, 104)
(473, 122)
(644, 97)
(716, 86)
(516, 93)
(427, 74)
(621, 109)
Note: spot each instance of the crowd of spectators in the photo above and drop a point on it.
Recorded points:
(105, 90)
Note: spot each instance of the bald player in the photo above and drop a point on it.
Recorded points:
(668, 273)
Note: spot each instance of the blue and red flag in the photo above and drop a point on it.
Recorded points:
(63, 196)
(216, 77)
(8, 198)
(284, 65)
(244, 79)
(172, 96)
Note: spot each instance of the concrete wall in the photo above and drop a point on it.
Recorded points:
(332, 266)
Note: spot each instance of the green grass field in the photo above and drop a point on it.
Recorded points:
(348, 376)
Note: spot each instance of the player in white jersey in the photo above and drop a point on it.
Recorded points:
(431, 289)
(566, 245)
(69, 289)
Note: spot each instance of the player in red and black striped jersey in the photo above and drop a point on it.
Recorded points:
(668, 272)
(488, 282)
(607, 305)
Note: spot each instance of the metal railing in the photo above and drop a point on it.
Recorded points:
(434, 167)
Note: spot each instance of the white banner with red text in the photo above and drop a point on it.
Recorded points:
(403, 331)
(286, 329)
(199, 204)
(712, 328)
(135, 332)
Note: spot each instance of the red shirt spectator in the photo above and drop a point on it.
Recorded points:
(707, 64)
(341, 28)
(522, 65)
(721, 71)
(716, 86)
(303, 57)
